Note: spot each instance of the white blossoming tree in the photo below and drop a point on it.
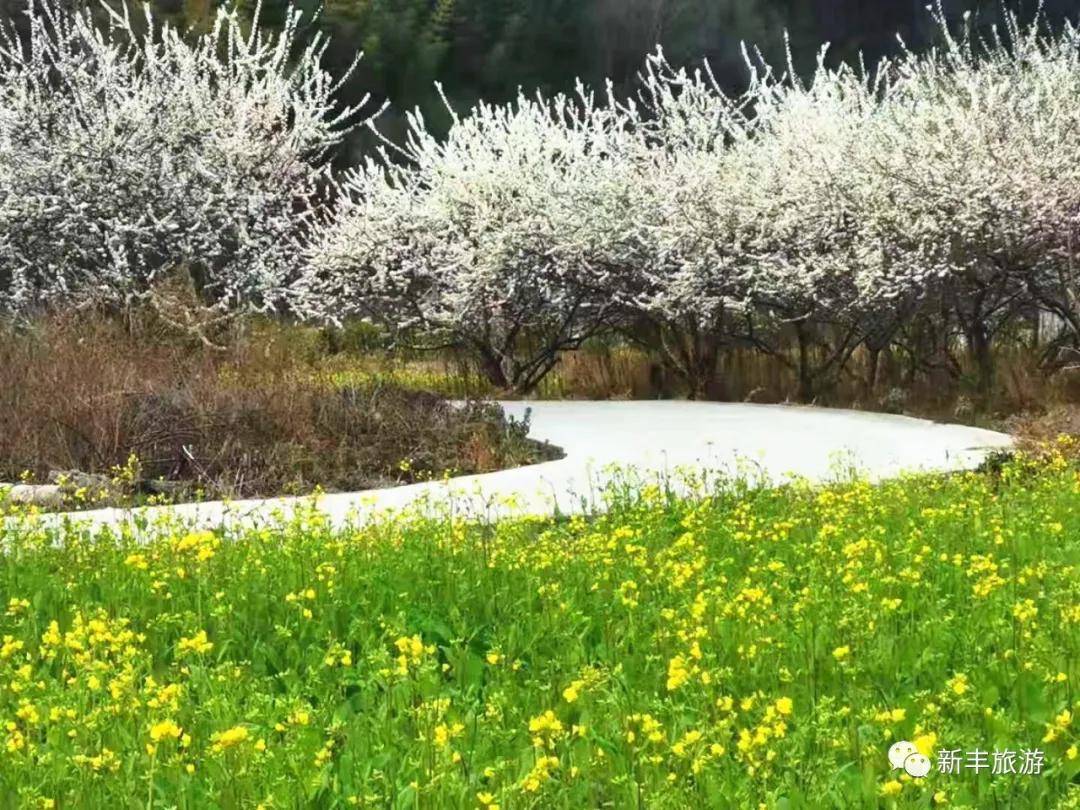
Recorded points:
(129, 153)
(746, 228)
(1039, 121)
(974, 190)
(800, 222)
(678, 270)
(475, 241)
(928, 203)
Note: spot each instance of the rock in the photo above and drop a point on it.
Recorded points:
(49, 496)
(73, 479)
(162, 486)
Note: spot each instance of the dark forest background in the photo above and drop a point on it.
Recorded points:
(490, 48)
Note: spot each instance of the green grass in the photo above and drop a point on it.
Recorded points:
(752, 647)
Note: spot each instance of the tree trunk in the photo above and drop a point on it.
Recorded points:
(491, 368)
(693, 354)
(806, 377)
(981, 356)
(873, 364)
(702, 367)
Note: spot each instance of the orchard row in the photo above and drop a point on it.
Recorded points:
(923, 205)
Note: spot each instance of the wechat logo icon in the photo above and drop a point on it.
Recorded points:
(903, 755)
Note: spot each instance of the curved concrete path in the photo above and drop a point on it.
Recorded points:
(654, 439)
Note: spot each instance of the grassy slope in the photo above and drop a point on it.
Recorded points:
(756, 646)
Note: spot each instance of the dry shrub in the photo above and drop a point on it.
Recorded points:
(86, 392)
(602, 371)
(1039, 435)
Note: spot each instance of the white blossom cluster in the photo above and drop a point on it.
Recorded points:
(487, 238)
(972, 186)
(128, 151)
(805, 219)
(934, 194)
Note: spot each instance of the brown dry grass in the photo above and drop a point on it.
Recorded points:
(85, 393)
(1041, 434)
(285, 408)
(602, 372)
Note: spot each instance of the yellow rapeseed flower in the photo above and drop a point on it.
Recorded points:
(891, 716)
(165, 730)
(958, 684)
(229, 738)
(891, 788)
(197, 643)
(925, 743)
(678, 673)
(573, 691)
(444, 734)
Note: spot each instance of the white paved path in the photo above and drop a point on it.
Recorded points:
(653, 438)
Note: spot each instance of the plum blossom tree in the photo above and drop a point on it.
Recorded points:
(129, 153)
(1039, 162)
(800, 218)
(676, 263)
(748, 218)
(940, 187)
(974, 185)
(476, 241)
(804, 219)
